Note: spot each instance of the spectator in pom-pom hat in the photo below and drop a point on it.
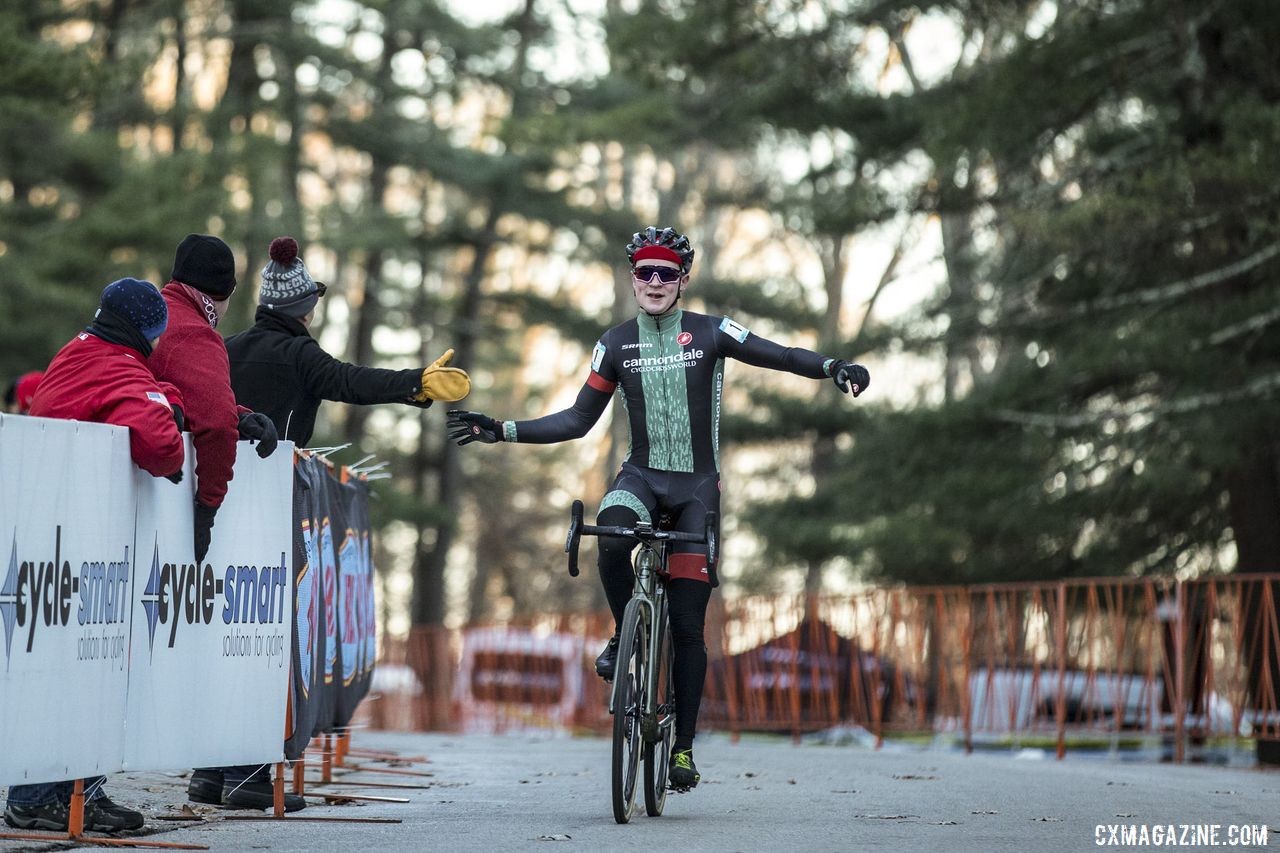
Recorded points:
(278, 369)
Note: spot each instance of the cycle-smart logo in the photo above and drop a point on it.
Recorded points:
(247, 601)
(38, 595)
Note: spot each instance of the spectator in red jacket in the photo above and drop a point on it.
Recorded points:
(192, 356)
(102, 376)
(17, 399)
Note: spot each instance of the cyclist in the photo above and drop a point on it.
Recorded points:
(668, 366)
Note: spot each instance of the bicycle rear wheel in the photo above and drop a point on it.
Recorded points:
(629, 680)
(657, 753)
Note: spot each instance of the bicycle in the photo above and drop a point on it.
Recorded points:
(642, 700)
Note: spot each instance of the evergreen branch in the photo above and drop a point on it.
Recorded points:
(1253, 324)
(1260, 388)
(1176, 289)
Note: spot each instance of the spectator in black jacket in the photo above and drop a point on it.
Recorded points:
(278, 366)
(278, 369)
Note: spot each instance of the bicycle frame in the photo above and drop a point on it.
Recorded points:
(650, 594)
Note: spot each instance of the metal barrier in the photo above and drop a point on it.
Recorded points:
(1184, 661)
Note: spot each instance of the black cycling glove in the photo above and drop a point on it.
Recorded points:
(256, 426)
(466, 427)
(850, 377)
(203, 529)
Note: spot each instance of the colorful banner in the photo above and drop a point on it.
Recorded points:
(336, 633)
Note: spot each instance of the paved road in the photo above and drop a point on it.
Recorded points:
(522, 792)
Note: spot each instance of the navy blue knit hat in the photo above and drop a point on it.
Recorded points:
(139, 303)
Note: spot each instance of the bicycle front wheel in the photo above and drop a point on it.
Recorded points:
(628, 683)
(657, 753)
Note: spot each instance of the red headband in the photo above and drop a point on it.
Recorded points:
(655, 252)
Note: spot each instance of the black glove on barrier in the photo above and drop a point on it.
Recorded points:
(466, 427)
(203, 529)
(256, 426)
(175, 477)
(850, 377)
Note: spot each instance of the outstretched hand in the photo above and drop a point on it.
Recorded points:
(466, 427)
(441, 382)
(850, 377)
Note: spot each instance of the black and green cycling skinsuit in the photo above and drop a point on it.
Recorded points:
(669, 372)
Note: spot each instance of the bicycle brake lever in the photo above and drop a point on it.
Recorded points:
(575, 535)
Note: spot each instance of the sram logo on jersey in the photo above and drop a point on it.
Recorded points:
(663, 362)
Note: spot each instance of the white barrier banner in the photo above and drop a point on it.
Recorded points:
(66, 527)
(212, 644)
(509, 679)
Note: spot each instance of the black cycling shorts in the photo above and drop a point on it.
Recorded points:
(681, 497)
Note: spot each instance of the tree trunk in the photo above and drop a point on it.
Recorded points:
(428, 592)
(428, 587)
(835, 266)
(1254, 508)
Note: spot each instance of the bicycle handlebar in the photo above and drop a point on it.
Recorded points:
(710, 537)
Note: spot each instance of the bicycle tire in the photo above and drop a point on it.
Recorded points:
(629, 679)
(657, 755)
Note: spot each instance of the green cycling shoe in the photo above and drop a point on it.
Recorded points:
(683, 774)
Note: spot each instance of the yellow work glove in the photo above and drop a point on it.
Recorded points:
(443, 383)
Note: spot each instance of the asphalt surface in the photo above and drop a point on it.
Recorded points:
(544, 793)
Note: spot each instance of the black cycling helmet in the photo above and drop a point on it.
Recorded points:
(667, 238)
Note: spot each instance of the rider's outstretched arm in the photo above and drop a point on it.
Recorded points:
(566, 424)
(737, 342)
(573, 422)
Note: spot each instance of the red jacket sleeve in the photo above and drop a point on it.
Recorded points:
(195, 360)
(154, 441)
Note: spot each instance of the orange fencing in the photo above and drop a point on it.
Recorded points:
(1186, 661)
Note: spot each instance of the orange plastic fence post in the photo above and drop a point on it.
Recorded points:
(75, 824)
(344, 741)
(1180, 675)
(278, 792)
(1060, 639)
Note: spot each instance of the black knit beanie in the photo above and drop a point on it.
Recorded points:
(205, 263)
